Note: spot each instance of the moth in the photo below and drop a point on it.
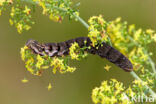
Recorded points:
(62, 49)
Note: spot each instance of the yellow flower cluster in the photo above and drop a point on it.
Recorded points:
(97, 29)
(57, 9)
(1, 2)
(20, 15)
(113, 92)
(23, 52)
(4, 4)
(127, 39)
(58, 64)
(76, 52)
(24, 80)
(109, 93)
(117, 33)
(152, 34)
(130, 92)
(136, 89)
(40, 61)
(23, 21)
(35, 64)
(133, 43)
(148, 77)
(107, 67)
(137, 57)
(49, 87)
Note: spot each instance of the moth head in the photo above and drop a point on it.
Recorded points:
(35, 46)
(31, 42)
(126, 64)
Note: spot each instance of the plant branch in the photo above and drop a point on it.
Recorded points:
(81, 21)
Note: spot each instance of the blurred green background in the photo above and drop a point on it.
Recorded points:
(68, 88)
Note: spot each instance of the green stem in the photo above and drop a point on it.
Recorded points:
(152, 63)
(81, 21)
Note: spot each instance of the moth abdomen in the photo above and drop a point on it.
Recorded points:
(113, 55)
(103, 50)
(51, 49)
(70, 42)
(92, 50)
(63, 49)
(124, 63)
(82, 41)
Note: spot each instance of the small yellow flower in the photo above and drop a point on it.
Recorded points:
(114, 80)
(71, 69)
(150, 31)
(118, 19)
(143, 70)
(11, 22)
(131, 28)
(45, 67)
(27, 27)
(113, 100)
(130, 92)
(27, 10)
(95, 93)
(150, 80)
(77, 13)
(107, 67)
(137, 34)
(30, 70)
(74, 51)
(49, 87)
(154, 37)
(25, 80)
(1, 2)
(140, 83)
(101, 20)
(12, 13)
(19, 27)
(57, 64)
(61, 5)
(40, 61)
(137, 81)
(108, 93)
(23, 52)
